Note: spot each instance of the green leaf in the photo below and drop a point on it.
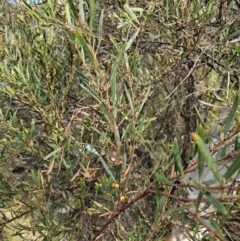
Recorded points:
(177, 157)
(52, 153)
(209, 104)
(128, 95)
(82, 11)
(160, 203)
(216, 203)
(201, 133)
(234, 167)
(199, 200)
(215, 224)
(162, 179)
(114, 42)
(36, 176)
(82, 43)
(100, 30)
(10, 90)
(74, 10)
(231, 115)
(206, 156)
(147, 122)
(196, 185)
(132, 39)
(92, 10)
(131, 13)
(234, 34)
(206, 223)
(114, 71)
(90, 92)
(107, 168)
(68, 15)
(157, 194)
(199, 114)
(144, 101)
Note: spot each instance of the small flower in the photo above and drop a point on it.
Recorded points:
(115, 186)
(123, 198)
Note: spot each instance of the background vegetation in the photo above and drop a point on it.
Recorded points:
(98, 100)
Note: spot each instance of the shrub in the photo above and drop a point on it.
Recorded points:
(98, 100)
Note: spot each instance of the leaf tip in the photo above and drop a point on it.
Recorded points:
(194, 136)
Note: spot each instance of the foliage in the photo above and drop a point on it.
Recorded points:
(98, 100)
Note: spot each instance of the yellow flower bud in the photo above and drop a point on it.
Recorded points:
(123, 198)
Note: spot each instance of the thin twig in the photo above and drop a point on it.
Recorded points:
(120, 210)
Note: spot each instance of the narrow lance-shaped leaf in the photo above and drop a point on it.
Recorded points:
(105, 165)
(114, 42)
(198, 187)
(215, 224)
(234, 167)
(114, 91)
(209, 226)
(90, 92)
(100, 30)
(72, 7)
(201, 133)
(131, 13)
(199, 115)
(128, 95)
(107, 168)
(114, 99)
(216, 203)
(206, 155)
(234, 34)
(177, 157)
(147, 122)
(81, 42)
(141, 123)
(68, 15)
(114, 72)
(81, 11)
(199, 200)
(144, 101)
(132, 39)
(52, 153)
(162, 179)
(176, 6)
(157, 194)
(231, 115)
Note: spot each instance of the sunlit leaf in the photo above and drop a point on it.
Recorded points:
(132, 39)
(131, 13)
(206, 155)
(92, 10)
(52, 153)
